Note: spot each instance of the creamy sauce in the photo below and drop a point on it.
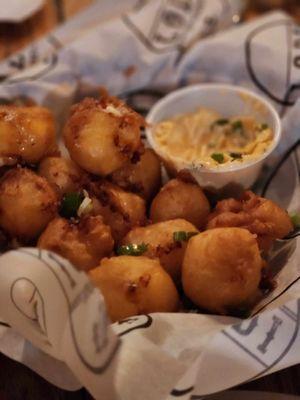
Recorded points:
(206, 137)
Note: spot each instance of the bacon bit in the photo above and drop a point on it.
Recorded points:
(129, 71)
(124, 122)
(116, 140)
(39, 186)
(126, 149)
(103, 197)
(125, 216)
(136, 187)
(113, 208)
(267, 283)
(131, 287)
(145, 279)
(136, 156)
(161, 250)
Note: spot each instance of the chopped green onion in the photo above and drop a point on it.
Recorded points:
(235, 155)
(219, 157)
(221, 121)
(85, 207)
(262, 127)
(182, 236)
(295, 218)
(237, 126)
(70, 204)
(132, 249)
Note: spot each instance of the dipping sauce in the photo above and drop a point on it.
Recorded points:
(205, 136)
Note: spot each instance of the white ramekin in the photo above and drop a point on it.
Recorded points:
(228, 101)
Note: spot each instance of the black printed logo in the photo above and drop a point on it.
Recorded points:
(265, 340)
(31, 64)
(286, 90)
(101, 348)
(28, 300)
(267, 345)
(133, 323)
(176, 23)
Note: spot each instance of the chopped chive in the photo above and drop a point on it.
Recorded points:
(221, 121)
(237, 126)
(236, 155)
(219, 157)
(262, 127)
(295, 218)
(85, 207)
(70, 204)
(182, 236)
(132, 249)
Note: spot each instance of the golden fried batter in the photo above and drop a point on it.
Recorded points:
(103, 135)
(160, 242)
(179, 199)
(84, 244)
(222, 269)
(62, 173)
(260, 216)
(142, 178)
(27, 134)
(134, 285)
(120, 210)
(27, 204)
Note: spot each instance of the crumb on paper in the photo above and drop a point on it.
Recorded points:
(129, 71)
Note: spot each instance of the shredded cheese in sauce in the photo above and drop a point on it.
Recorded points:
(205, 136)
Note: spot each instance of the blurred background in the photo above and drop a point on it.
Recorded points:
(15, 35)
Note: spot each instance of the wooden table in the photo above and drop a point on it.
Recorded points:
(16, 381)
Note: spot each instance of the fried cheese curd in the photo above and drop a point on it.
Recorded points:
(222, 269)
(161, 243)
(63, 174)
(103, 135)
(120, 210)
(27, 134)
(27, 204)
(179, 199)
(83, 243)
(134, 285)
(260, 216)
(142, 178)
